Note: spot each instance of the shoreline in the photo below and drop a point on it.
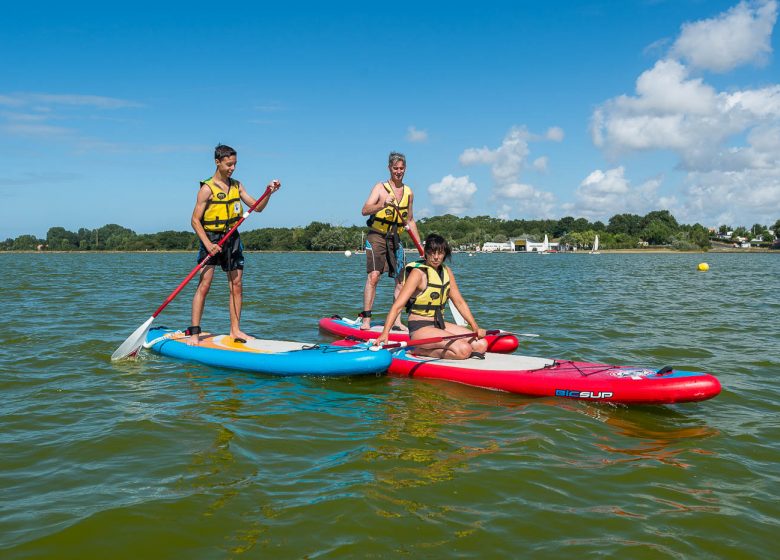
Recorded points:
(664, 251)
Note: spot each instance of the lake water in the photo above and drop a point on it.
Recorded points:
(156, 458)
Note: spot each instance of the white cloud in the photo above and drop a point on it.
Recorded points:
(540, 163)
(745, 187)
(31, 114)
(414, 135)
(506, 165)
(507, 160)
(672, 112)
(34, 130)
(745, 197)
(452, 195)
(554, 133)
(666, 88)
(727, 142)
(525, 199)
(46, 100)
(603, 194)
(739, 36)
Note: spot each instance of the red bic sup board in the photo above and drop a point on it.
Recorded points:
(540, 377)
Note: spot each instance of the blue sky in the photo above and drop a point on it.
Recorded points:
(109, 114)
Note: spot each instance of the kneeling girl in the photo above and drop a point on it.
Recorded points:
(428, 285)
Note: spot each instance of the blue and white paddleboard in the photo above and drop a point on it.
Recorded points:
(273, 357)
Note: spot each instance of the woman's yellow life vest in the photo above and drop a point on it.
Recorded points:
(395, 214)
(223, 209)
(431, 301)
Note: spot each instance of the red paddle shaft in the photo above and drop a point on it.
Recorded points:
(416, 242)
(202, 263)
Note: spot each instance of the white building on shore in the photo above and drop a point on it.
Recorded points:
(532, 247)
(492, 247)
(519, 245)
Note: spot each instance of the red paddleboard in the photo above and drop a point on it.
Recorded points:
(343, 328)
(541, 377)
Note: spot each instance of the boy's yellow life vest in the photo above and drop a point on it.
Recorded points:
(433, 299)
(223, 209)
(395, 214)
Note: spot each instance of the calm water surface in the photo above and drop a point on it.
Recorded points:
(161, 459)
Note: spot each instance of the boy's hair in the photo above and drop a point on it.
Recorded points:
(223, 151)
(395, 157)
(435, 243)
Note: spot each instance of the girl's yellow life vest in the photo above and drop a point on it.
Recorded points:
(223, 209)
(395, 214)
(433, 299)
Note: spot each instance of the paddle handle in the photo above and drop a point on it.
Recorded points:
(202, 263)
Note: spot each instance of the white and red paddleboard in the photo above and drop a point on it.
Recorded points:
(542, 377)
(503, 343)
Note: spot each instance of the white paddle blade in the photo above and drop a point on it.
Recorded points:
(132, 345)
(457, 317)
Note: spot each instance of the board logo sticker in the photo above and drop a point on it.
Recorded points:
(583, 394)
(633, 373)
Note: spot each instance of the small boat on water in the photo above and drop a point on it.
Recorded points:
(545, 246)
(595, 250)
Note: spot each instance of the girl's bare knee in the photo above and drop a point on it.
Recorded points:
(462, 350)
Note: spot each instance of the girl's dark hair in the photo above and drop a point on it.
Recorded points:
(435, 243)
(223, 151)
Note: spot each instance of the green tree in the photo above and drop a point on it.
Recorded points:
(757, 231)
(332, 239)
(60, 239)
(563, 226)
(581, 224)
(663, 216)
(113, 237)
(629, 224)
(26, 243)
(700, 236)
(657, 232)
(741, 231)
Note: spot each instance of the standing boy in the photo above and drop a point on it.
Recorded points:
(217, 209)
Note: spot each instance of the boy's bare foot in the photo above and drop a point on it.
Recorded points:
(240, 336)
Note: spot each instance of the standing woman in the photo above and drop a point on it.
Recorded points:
(389, 211)
(428, 286)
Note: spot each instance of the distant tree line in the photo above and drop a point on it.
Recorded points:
(623, 231)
